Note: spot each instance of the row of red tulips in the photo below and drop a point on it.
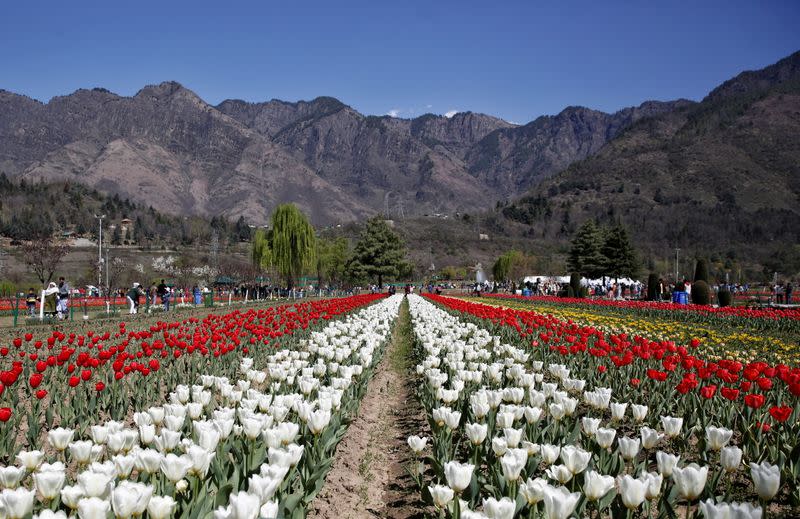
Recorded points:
(738, 311)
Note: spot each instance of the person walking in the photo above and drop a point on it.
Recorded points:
(30, 301)
(163, 293)
(62, 305)
(789, 289)
(133, 298)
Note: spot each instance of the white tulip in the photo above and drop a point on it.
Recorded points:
(533, 490)
(244, 506)
(767, 479)
(95, 484)
(575, 458)
(499, 509)
(49, 484)
(441, 494)
(417, 444)
(605, 437)
(175, 467)
(81, 451)
(71, 495)
(559, 473)
(654, 482)
(628, 448)
(59, 438)
(93, 508)
(476, 432)
(690, 480)
(639, 412)
(666, 463)
(650, 437)
(160, 507)
(672, 426)
(717, 437)
(632, 491)
(559, 503)
(550, 453)
(618, 411)
(730, 458)
(596, 485)
(16, 503)
(10, 477)
(30, 459)
(458, 475)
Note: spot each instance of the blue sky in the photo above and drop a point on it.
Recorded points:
(516, 60)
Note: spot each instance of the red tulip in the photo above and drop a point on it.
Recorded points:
(601, 369)
(99, 386)
(41, 394)
(5, 414)
(635, 382)
(28, 337)
(764, 383)
(729, 393)
(17, 342)
(708, 391)
(36, 379)
(754, 400)
(781, 414)
(74, 381)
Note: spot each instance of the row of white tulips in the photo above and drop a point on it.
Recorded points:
(198, 450)
(475, 388)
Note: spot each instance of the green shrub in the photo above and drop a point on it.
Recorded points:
(701, 295)
(724, 297)
(652, 287)
(575, 284)
(570, 291)
(701, 270)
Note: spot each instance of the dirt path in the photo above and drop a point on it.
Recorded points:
(369, 478)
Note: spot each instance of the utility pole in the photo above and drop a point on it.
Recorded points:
(677, 250)
(100, 252)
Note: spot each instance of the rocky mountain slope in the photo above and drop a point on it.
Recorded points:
(722, 175)
(167, 148)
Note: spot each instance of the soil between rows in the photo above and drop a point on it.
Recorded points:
(369, 478)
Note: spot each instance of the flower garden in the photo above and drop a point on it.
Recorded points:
(532, 408)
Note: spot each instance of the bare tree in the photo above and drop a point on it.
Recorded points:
(43, 257)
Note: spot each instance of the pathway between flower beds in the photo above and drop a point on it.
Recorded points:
(369, 477)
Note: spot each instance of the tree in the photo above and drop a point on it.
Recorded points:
(331, 259)
(259, 250)
(501, 267)
(43, 258)
(619, 258)
(585, 256)
(378, 254)
(293, 243)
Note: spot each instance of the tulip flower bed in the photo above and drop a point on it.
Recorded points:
(532, 416)
(269, 425)
(725, 336)
(59, 379)
(770, 314)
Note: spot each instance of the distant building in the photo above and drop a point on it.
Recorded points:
(482, 236)
(125, 229)
(390, 223)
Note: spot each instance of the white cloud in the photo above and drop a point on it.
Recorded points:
(429, 106)
(394, 112)
(451, 113)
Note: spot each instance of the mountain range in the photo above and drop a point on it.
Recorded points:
(722, 173)
(168, 148)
